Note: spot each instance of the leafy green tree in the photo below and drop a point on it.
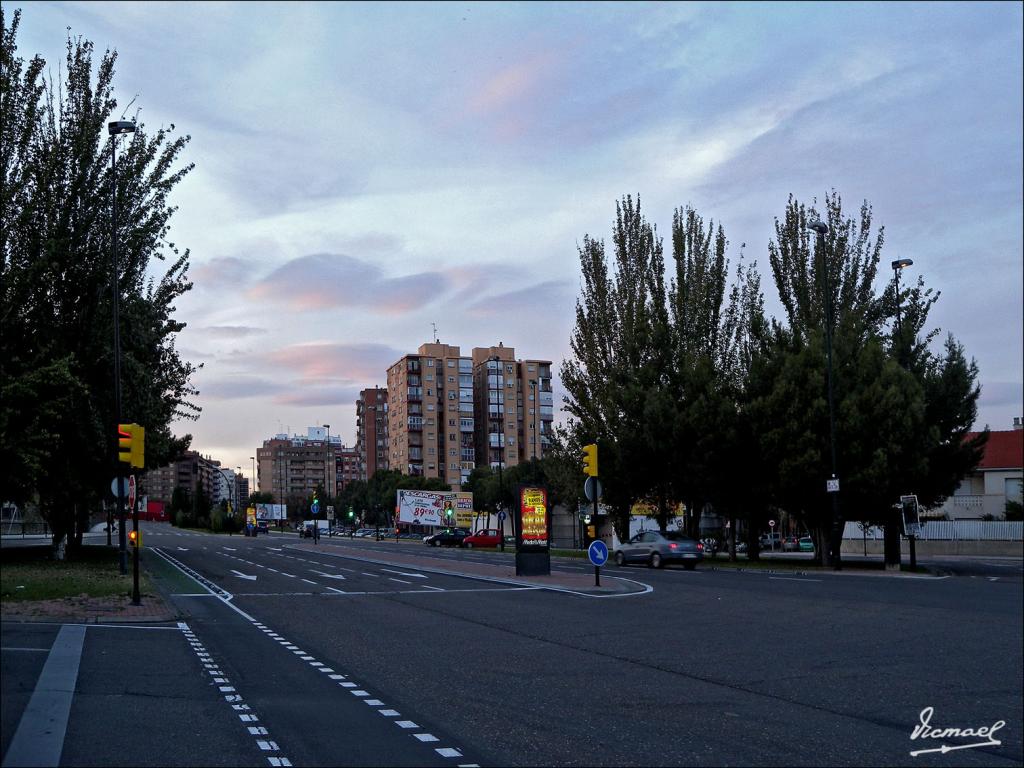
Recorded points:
(56, 337)
(615, 364)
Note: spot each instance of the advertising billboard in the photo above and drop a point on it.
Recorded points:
(271, 511)
(429, 508)
(533, 517)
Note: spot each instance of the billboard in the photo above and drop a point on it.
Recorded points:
(271, 511)
(533, 517)
(428, 507)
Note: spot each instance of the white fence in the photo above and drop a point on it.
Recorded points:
(950, 530)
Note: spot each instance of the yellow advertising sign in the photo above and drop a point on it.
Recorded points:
(533, 511)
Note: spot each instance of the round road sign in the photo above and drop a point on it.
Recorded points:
(771, 523)
(598, 552)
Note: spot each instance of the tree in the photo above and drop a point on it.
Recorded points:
(56, 339)
(614, 365)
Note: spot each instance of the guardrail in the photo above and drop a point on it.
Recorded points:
(950, 530)
(19, 528)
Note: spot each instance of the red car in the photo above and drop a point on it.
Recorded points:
(490, 537)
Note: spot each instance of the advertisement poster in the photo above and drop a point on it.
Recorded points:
(533, 516)
(271, 511)
(429, 507)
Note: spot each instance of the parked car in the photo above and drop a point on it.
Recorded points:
(655, 549)
(488, 537)
(449, 537)
(806, 544)
(771, 540)
(262, 526)
(791, 544)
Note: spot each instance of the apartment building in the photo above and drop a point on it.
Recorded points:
(447, 412)
(430, 414)
(186, 472)
(514, 406)
(349, 466)
(372, 431)
(292, 467)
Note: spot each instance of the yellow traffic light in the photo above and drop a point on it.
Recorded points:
(135, 538)
(131, 441)
(590, 460)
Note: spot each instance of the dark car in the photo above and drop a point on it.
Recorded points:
(449, 537)
(262, 526)
(656, 549)
(791, 544)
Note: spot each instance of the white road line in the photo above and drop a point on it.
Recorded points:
(311, 582)
(426, 737)
(448, 752)
(406, 724)
(400, 581)
(403, 573)
(790, 578)
(374, 575)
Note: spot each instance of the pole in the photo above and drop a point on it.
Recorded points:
(122, 536)
(835, 543)
(136, 598)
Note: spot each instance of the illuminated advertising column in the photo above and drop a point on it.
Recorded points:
(533, 556)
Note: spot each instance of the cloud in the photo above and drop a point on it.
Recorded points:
(323, 396)
(228, 271)
(538, 297)
(340, 362)
(330, 280)
(238, 387)
(233, 331)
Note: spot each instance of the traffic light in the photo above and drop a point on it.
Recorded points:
(351, 513)
(448, 511)
(590, 459)
(131, 442)
(135, 538)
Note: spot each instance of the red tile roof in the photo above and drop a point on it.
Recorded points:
(1004, 450)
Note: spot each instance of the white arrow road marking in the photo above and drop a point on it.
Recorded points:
(182, 549)
(241, 575)
(329, 575)
(403, 573)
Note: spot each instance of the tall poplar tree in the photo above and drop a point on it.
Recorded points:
(57, 420)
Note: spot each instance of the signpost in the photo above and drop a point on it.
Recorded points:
(131, 492)
(771, 524)
(598, 555)
(315, 509)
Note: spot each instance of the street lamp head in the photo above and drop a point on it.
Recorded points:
(902, 263)
(818, 226)
(120, 126)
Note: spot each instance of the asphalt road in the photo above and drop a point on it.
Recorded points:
(350, 662)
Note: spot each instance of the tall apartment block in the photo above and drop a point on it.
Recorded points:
(187, 471)
(291, 468)
(372, 431)
(514, 406)
(430, 414)
(447, 413)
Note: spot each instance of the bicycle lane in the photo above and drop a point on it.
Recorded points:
(77, 694)
(315, 710)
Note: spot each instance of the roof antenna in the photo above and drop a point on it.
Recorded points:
(435, 332)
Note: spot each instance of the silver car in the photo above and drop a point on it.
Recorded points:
(656, 549)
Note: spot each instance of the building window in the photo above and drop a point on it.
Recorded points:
(430, 363)
(430, 407)
(531, 368)
(451, 379)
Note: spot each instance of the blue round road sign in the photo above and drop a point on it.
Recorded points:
(598, 552)
(315, 508)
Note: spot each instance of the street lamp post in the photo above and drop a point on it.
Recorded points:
(897, 266)
(115, 129)
(835, 537)
(327, 469)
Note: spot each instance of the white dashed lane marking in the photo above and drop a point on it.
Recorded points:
(353, 688)
(232, 697)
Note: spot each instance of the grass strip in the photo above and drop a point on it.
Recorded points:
(30, 573)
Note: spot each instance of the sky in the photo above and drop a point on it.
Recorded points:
(364, 171)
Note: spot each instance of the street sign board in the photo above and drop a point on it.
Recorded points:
(124, 486)
(592, 488)
(315, 507)
(771, 523)
(598, 552)
(131, 491)
(832, 485)
(501, 515)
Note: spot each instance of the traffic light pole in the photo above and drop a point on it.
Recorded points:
(136, 598)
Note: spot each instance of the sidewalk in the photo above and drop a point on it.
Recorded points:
(504, 572)
(90, 610)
